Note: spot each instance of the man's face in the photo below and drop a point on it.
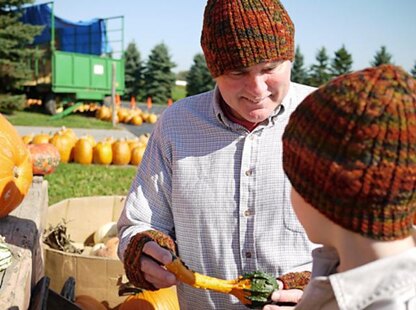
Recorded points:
(254, 93)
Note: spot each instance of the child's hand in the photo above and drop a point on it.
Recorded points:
(284, 299)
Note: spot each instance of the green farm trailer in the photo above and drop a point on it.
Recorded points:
(78, 60)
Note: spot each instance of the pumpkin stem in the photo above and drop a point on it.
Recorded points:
(16, 172)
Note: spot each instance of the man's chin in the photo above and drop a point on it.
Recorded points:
(257, 117)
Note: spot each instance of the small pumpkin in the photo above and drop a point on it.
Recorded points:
(103, 113)
(121, 152)
(136, 120)
(152, 118)
(163, 299)
(102, 153)
(16, 168)
(83, 151)
(64, 143)
(68, 131)
(41, 138)
(45, 158)
(28, 138)
(137, 155)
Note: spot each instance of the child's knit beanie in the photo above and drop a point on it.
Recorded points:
(349, 150)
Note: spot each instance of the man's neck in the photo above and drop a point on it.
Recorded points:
(228, 113)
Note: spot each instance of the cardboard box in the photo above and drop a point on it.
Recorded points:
(94, 276)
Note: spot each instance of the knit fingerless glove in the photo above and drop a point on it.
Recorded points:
(295, 280)
(134, 251)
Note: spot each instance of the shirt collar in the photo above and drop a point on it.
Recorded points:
(221, 116)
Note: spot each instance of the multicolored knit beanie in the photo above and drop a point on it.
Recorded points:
(349, 150)
(240, 33)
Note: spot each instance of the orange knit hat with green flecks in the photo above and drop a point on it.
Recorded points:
(238, 34)
(349, 150)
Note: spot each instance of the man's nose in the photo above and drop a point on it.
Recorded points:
(256, 85)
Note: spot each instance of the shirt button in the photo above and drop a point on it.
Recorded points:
(248, 254)
(249, 172)
(248, 213)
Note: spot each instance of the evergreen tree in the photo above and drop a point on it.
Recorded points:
(133, 73)
(319, 73)
(199, 79)
(381, 57)
(158, 76)
(299, 74)
(15, 53)
(413, 71)
(342, 62)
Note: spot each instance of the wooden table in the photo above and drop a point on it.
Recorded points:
(23, 229)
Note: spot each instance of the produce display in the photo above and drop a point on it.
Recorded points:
(86, 150)
(253, 289)
(16, 168)
(124, 115)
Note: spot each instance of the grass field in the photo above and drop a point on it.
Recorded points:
(75, 180)
(31, 118)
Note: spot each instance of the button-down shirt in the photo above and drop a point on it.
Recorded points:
(220, 192)
(385, 284)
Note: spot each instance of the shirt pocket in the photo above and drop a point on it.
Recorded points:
(290, 219)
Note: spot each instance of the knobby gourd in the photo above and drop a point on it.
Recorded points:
(45, 158)
(254, 289)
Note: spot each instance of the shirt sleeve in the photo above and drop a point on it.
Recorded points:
(148, 202)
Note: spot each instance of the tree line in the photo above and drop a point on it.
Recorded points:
(199, 79)
(151, 78)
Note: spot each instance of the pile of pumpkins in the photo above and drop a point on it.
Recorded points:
(124, 115)
(16, 178)
(86, 150)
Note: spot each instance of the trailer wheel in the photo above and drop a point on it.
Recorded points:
(49, 104)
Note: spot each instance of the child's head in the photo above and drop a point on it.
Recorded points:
(349, 150)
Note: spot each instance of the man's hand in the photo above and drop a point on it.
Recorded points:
(151, 265)
(284, 298)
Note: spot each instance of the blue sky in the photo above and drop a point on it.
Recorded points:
(363, 26)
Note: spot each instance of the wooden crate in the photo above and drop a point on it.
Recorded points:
(23, 229)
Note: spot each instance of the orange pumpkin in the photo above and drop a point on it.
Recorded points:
(163, 299)
(136, 120)
(16, 168)
(137, 154)
(121, 152)
(64, 143)
(28, 138)
(104, 113)
(91, 139)
(41, 138)
(83, 151)
(152, 118)
(102, 153)
(68, 131)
